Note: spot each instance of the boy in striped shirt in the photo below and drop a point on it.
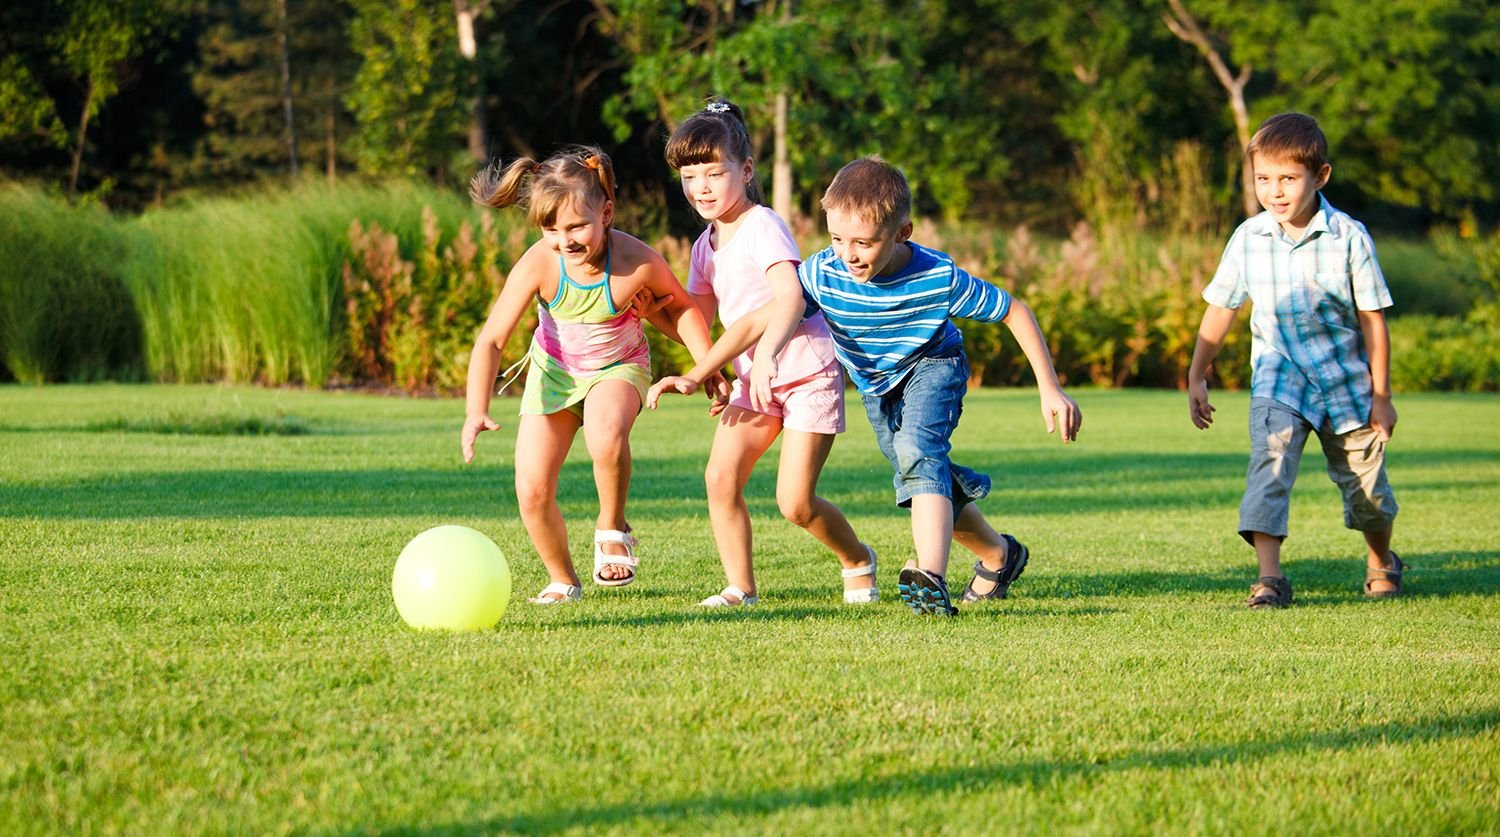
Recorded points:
(890, 304)
(1320, 354)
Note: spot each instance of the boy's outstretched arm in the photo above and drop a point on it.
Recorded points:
(1377, 337)
(1059, 411)
(1211, 334)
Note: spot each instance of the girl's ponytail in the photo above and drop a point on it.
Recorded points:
(598, 162)
(498, 188)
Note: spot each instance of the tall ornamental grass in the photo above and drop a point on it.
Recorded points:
(66, 313)
(250, 289)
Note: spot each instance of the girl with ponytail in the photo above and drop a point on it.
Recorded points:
(589, 363)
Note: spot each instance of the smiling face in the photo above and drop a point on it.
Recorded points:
(579, 233)
(1289, 191)
(865, 248)
(717, 190)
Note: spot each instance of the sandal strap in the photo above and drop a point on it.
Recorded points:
(986, 573)
(622, 537)
(567, 591)
(868, 569)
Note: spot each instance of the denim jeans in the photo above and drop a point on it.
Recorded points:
(913, 425)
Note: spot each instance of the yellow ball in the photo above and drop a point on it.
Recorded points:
(451, 578)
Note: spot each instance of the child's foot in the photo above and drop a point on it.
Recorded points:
(614, 557)
(926, 593)
(859, 581)
(994, 573)
(1269, 591)
(1384, 581)
(730, 596)
(557, 593)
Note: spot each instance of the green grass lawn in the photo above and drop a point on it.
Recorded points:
(197, 635)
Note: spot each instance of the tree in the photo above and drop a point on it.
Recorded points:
(405, 96)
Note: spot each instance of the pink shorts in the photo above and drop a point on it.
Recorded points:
(814, 404)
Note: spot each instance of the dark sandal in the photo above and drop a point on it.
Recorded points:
(925, 593)
(1016, 556)
(1269, 591)
(1391, 576)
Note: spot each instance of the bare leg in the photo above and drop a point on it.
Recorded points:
(741, 439)
(974, 533)
(1378, 545)
(609, 412)
(542, 444)
(932, 531)
(802, 458)
(1268, 554)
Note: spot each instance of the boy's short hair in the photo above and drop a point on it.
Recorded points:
(872, 190)
(1290, 136)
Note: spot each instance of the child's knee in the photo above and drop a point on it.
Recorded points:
(797, 509)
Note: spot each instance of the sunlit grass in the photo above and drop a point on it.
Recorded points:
(197, 635)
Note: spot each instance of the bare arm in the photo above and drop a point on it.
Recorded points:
(1211, 333)
(484, 360)
(1059, 411)
(786, 313)
(1377, 338)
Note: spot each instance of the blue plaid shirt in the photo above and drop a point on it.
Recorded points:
(1307, 351)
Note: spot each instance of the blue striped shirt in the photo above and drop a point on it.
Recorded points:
(1307, 350)
(882, 327)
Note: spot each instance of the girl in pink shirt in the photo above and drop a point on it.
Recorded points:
(746, 258)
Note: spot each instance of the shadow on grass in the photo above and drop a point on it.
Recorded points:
(1033, 483)
(693, 615)
(1317, 580)
(1027, 773)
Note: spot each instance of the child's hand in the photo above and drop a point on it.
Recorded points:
(675, 383)
(1061, 414)
(1201, 412)
(1383, 417)
(645, 303)
(761, 376)
(717, 390)
(473, 426)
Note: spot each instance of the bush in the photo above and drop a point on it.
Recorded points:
(1446, 353)
(411, 324)
(65, 311)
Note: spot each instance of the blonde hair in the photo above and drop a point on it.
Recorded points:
(872, 190)
(1290, 136)
(581, 173)
(716, 134)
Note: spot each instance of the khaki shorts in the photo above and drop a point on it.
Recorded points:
(1356, 464)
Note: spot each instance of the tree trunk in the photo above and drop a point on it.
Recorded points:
(781, 170)
(83, 130)
(1186, 28)
(468, 47)
(286, 87)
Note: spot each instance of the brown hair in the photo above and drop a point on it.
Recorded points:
(581, 173)
(872, 190)
(716, 134)
(1290, 136)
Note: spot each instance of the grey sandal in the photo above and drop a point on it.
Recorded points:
(1016, 556)
(925, 593)
(1269, 591)
(1391, 576)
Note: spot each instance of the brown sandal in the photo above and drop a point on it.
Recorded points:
(1391, 576)
(1269, 591)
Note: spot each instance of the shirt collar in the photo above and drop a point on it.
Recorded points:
(1323, 221)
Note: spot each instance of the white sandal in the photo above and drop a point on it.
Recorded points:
(862, 595)
(570, 593)
(601, 560)
(722, 599)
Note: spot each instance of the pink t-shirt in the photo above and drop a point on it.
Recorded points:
(736, 275)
